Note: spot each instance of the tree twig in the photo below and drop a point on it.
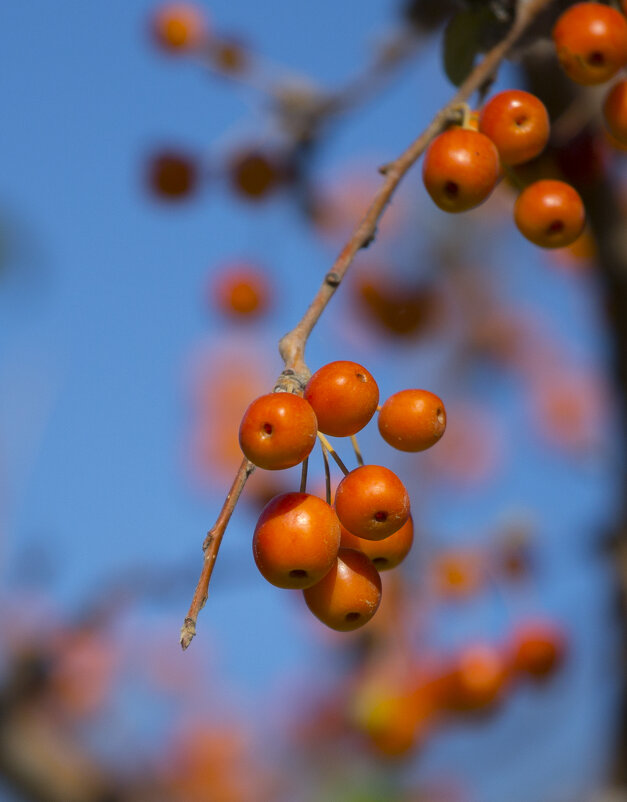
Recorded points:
(292, 344)
(210, 548)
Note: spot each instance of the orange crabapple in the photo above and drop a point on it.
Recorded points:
(591, 42)
(344, 397)
(460, 169)
(241, 290)
(347, 596)
(278, 431)
(372, 502)
(615, 111)
(550, 213)
(412, 420)
(296, 540)
(518, 124)
(383, 554)
(179, 27)
(477, 680)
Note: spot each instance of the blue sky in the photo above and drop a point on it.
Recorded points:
(102, 305)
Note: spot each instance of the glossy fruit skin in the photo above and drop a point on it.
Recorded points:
(412, 420)
(344, 397)
(518, 124)
(460, 169)
(172, 175)
(372, 502)
(278, 431)
(383, 554)
(241, 290)
(348, 596)
(550, 213)
(591, 42)
(615, 111)
(179, 27)
(296, 540)
(538, 649)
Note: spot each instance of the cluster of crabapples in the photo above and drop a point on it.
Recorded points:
(464, 164)
(334, 553)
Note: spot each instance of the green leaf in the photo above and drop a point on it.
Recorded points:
(462, 41)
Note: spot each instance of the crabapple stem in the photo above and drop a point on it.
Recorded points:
(357, 450)
(303, 475)
(327, 472)
(333, 453)
(513, 177)
(210, 547)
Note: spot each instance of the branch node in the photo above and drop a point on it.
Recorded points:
(332, 279)
(369, 239)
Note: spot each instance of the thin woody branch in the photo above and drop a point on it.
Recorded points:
(210, 548)
(292, 345)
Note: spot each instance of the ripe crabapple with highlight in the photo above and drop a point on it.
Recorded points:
(518, 124)
(615, 111)
(383, 554)
(412, 420)
(278, 431)
(347, 596)
(296, 540)
(591, 42)
(179, 27)
(460, 169)
(372, 502)
(344, 397)
(550, 213)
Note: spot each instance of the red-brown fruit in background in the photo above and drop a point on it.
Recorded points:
(241, 290)
(538, 649)
(412, 420)
(518, 124)
(296, 540)
(179, 27)
(278, 431)
(344, 397)
(615, 111)
(254, 174)
(348, 596)
(372, 502)
(383, 554)
(172, 175)
(591, 42)
(460, 169)
(550, 213)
